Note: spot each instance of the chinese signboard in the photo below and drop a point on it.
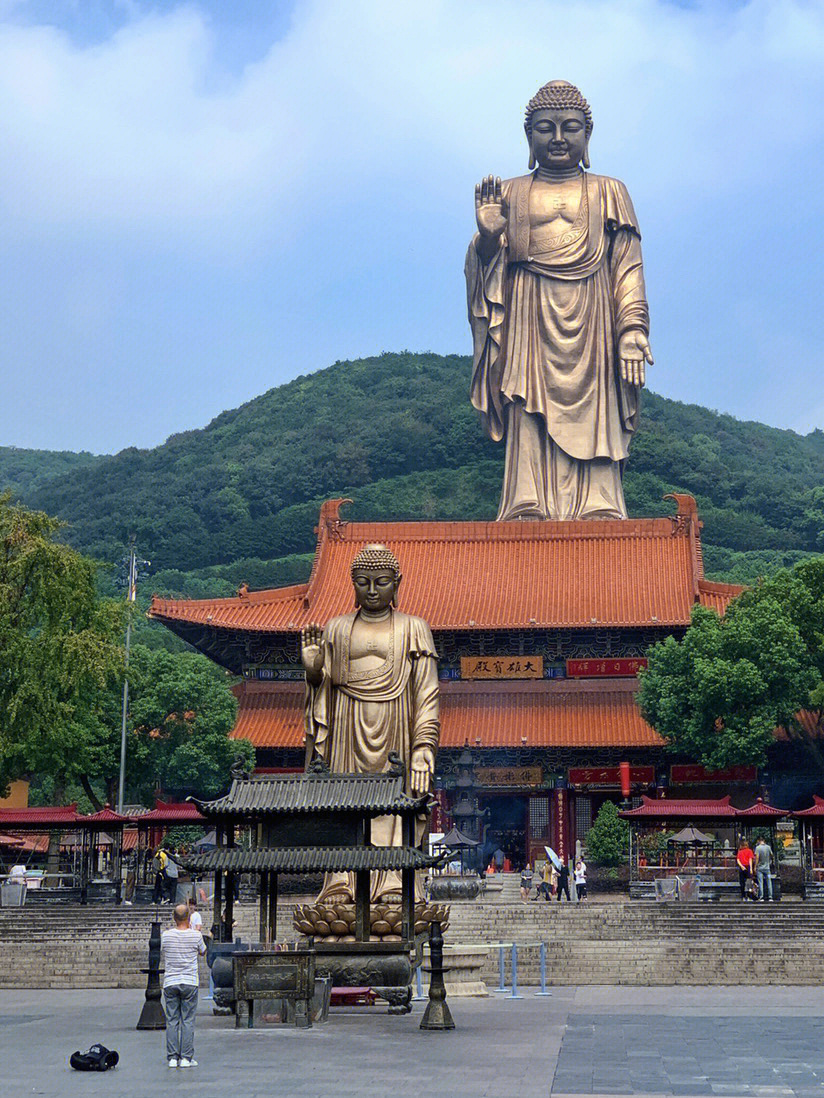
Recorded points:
(509, 775)
(502, 667)
(448, 674)
(274, 674)
(609, 777)
(605, 669)
(682, 775)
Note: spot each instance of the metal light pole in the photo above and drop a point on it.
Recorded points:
(131, 595)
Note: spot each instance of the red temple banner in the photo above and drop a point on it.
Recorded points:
(605, 669)
(610, 776)
(686, 774)
(560, 803)
(440, 820)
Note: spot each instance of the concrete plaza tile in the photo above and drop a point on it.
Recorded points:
(619, 1041)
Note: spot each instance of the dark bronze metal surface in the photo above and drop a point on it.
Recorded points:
(152, 1016)
(437, 1014)
(260, 974)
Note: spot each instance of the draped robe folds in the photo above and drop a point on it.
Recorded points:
(546, 314)
(357, 717)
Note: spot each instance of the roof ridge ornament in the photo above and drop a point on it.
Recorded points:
(239, 770)
(396, 765)
(329, 528)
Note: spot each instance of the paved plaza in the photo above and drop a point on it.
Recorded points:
(759, 1042)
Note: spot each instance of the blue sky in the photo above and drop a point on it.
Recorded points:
(200, 201)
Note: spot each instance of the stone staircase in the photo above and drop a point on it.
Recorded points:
(648, 943)
(593, 943)
(72, 946)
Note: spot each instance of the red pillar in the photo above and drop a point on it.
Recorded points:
(626, 786)
(560, 822)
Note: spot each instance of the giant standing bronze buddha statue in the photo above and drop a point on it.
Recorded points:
(559, 320)
(371, 696)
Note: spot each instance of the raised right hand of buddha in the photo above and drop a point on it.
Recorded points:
(489, 208)
(311, 649)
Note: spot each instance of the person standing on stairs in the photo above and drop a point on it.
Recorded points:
(563, 882)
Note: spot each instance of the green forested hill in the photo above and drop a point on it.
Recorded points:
(397, 433)
(22, 472)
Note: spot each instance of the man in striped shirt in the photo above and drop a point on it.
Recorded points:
(181, 946)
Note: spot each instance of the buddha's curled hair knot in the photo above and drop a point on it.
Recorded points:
(558, 95)
(375, 558)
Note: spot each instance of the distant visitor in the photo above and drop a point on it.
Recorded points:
(559, 319)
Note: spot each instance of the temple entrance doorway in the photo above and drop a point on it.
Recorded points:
(507, 826)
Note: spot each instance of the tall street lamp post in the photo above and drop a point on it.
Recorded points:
(131, 594)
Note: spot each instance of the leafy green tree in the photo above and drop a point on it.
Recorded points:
(59, 650)
(607, 840)
(181, 711)
(718, 694)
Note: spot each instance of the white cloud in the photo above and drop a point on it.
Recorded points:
(166, 213)
(132, 134)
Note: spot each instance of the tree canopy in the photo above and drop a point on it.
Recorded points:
(59, 649)
(61, 676)
(608, 838)
(719, 694)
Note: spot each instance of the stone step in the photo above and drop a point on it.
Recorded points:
(613, 943)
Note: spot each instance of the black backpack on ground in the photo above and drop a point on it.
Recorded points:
(98, 1058)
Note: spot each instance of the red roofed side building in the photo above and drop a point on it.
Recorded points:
(541, 628)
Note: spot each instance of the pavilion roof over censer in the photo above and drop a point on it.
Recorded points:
(486, 575)
(311, 859)
(313, 792)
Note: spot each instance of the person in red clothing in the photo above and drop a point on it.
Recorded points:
(744, 859)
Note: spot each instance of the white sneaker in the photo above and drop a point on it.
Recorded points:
(188, 1063)
(172, 1062)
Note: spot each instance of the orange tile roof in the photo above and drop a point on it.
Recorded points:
(553, 713)
(269, 715)
(717, 596)
(490, 575)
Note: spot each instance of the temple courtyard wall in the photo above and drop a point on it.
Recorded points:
(598, 942)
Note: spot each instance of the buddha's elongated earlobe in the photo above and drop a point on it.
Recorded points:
(585, 157)
(531, 158)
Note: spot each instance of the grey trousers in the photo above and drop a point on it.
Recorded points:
(181, 1010)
